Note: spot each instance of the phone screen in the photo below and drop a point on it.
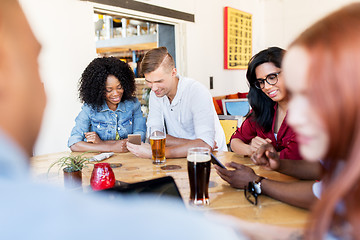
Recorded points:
(216, 161)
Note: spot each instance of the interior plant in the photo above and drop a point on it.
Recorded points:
(71, 163)
(72, 166)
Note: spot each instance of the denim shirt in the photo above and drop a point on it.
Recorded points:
(126, 119)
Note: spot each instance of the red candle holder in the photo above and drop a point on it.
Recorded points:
(102, 177)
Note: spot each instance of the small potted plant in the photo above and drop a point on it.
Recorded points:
(72, 167)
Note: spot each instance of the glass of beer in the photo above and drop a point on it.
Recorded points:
(157, 142)
(198, 160)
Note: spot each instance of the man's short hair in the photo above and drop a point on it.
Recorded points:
(156, 57)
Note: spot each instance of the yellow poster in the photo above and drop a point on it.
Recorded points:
(237, 38)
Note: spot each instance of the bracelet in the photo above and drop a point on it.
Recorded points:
(257, 184)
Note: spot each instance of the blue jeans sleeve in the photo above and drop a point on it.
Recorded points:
(82, 125)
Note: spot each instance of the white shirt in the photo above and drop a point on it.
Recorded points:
(191, 114)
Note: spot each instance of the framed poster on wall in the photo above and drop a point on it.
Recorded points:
(237, 38)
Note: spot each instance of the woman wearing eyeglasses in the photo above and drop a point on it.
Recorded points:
(269, 101)
(322, 74)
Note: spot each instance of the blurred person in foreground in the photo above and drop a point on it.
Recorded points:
(322, 74)
(180, 104)
(34, 211)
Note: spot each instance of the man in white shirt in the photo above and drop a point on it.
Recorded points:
(183, 105)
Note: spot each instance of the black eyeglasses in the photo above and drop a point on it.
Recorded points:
(251, 194)
(271, 79)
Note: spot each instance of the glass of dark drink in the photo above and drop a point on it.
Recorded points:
(157, 142)
(198, 160)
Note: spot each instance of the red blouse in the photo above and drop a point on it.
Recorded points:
(286, 142)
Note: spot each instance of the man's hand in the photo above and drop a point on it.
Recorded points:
(215, 146)
(267, 157)
(143, 150)
(238, 178)
(92, 137)
(257, 142)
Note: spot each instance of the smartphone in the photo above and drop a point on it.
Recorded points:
(216, 161)
(134, 139)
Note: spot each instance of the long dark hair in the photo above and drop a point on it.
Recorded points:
(262, 105)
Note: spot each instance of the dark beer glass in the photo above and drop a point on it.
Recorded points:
(199, 175)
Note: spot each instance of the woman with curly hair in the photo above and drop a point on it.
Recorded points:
(269, 101)
(110, 112)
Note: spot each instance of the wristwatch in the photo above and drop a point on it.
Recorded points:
(257, 184)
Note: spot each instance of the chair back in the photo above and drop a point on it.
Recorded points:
(236, 107)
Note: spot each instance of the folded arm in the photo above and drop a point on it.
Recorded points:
(238, 146)
(175, 147)
(103, 146)
(178, 147)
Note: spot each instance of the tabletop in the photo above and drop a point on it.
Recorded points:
(223, 198)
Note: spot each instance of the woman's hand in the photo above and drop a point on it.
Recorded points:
(120, 145)
(238, 178)
(267, 157)
(257, 142)
(92, 137)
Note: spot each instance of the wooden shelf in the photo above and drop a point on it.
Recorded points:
(124, 44)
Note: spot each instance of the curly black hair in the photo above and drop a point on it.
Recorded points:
(262, 105)
(92, 81)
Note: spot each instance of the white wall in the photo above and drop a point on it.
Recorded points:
(285, 19)
(204, 41)
(205, 44)
(65, 29)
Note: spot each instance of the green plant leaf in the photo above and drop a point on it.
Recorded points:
(73, 163)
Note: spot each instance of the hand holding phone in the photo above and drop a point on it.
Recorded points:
(216, 161)
(134, 139)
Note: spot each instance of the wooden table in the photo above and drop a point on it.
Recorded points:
(223, 198)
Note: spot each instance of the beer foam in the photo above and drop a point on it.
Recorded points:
(157, 137)
(198, 158)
